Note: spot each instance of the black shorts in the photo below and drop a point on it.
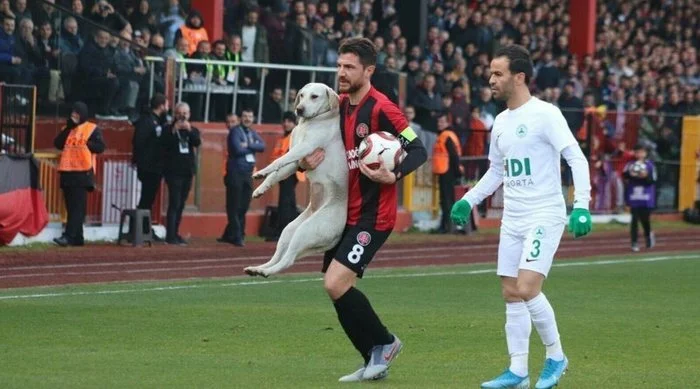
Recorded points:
(356, 248)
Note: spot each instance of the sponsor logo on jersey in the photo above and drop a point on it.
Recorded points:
(353, 157)
(517, 172)
(363, 238)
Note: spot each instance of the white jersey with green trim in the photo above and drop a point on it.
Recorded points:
(527, 142)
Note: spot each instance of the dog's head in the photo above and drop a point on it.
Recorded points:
(314, 99)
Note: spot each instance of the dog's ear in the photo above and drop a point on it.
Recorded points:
(333, 99)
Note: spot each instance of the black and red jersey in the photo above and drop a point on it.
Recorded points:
(370, 203)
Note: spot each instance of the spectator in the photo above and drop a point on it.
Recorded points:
(70, 41)
(547, 75)
(21, 11)
(459, 112)
(103, 13)
(243, 143)
(276, 25)
(255, 45)
(320, 47)
(476, 145)
(130, 71)
(487, 107)
(179, 52)
(299, 42)
(29, 51)
(180, 141)
(98, 80)
(571, 107)
(78, 8)
(11, 69)
(142, 17)
(48, 45)
(170, 21)
(193, 30)
(428, 104)
(273, 107)
(48, 13)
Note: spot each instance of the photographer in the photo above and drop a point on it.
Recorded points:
(180, 140)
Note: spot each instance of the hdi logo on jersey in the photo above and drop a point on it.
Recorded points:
(515, 167)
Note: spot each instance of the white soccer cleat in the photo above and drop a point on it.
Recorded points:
(381, 358)
(358, 376)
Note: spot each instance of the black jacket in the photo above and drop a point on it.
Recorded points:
(148, 153)
(85, 179)
(177, 163)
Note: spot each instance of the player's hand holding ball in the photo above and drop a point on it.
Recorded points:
(460, 212)
(580, 223)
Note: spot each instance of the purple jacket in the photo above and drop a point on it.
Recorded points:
(640, 192)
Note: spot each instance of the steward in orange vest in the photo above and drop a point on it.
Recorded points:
(446, 153)
(287, 202)
(193, 31)
(79, 141)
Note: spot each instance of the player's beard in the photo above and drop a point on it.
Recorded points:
(352, 88)
(504, 91)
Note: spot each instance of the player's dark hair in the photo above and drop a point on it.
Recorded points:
(519, 60)
(361, 47)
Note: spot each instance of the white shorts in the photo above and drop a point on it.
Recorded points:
(528, 247)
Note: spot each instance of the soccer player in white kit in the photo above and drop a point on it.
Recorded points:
(527, 142)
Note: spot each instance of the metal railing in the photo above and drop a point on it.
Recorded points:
(17, 115)
(116, 187)
(208, 88)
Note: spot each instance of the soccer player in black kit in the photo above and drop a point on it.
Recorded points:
(372, 204)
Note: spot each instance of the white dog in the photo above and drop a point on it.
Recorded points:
(320, 226)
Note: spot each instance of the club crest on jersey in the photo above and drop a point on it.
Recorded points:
(362, 130)
(363, 238)
(539, 232)
(521, 131)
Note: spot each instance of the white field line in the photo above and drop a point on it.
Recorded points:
(166, 269)
(383, 255)
(318, 279)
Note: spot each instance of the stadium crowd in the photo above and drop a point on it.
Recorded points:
(643, 76)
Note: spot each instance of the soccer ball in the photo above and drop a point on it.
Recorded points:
(381, 145)
(638, 168)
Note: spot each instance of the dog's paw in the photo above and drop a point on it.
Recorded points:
(258, 175)
(251, 271)
(259, 192)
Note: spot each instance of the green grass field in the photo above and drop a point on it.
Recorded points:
(625, 323)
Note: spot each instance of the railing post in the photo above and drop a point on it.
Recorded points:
(313, 76)
(151, 66)
(286, 90)
(208, 97)
(180, 79)
(235, 87)
(261, 96)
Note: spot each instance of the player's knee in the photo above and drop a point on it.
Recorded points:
(527, 292)
(510, 293)
(335, 286)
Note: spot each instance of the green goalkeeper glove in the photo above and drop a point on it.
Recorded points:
(580, 222)
(460, 212)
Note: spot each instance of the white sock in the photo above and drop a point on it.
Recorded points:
(546, 325)
(518, 328)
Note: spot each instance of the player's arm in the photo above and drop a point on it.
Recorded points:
(561, 138)
(492, 179)
(392, 120)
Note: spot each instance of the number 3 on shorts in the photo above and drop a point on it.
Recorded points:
(535, 248)
(355, 255)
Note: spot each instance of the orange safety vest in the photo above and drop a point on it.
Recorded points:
(281, 148)
(193, 37)
(441, 157)
(76, 157)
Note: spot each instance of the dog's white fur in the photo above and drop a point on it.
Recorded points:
(320, 226)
